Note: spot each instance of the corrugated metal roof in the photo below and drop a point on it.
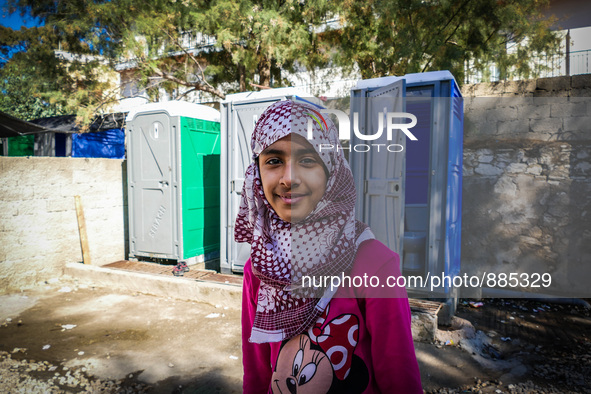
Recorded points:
(13, 127)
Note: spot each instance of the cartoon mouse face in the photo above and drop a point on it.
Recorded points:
(301, 368)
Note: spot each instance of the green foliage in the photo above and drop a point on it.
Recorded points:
(37, 80)
(26, 81)
(386, 37)
(252, 41)
(261, 35)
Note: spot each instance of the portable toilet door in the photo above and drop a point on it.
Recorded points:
(239, 114)
(432, 180)
(378, 165)
(173, 181)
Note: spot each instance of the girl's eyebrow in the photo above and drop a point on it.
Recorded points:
(305, 151)
(272, 152)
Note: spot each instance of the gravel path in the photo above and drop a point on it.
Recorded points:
(30, 377)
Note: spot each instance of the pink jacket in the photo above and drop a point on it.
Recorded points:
(362, 343)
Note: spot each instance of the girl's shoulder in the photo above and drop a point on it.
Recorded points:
(249, 281)
(379, 267)
(372, 254)
(374, 259)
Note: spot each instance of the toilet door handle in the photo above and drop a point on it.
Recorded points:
(382, 187)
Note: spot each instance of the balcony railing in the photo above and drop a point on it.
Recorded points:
(579, 62)
(541, 67)
(557, 66)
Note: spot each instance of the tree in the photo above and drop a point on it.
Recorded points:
(263, 37)
(251, 42)
(396, 37)
(238, 43)
(18, 100)
(37, 81)
(69, 60)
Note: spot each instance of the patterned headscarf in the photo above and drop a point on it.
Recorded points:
(324, 243)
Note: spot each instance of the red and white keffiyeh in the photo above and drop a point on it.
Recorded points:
(325, 243)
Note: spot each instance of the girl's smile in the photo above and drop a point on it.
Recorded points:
(293, 176)
(292, 198)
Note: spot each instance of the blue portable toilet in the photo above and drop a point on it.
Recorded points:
(412, 196)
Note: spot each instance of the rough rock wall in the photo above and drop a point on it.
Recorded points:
(527, 181)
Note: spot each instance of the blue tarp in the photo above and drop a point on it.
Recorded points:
(109, 144)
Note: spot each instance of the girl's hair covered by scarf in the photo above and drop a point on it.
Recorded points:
(324, 243)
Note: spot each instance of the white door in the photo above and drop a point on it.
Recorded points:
(379, 165)
(243, 118)
(152, 211)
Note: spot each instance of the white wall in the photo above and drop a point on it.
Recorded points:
(38, 225)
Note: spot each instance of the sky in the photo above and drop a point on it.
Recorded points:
(14, 21)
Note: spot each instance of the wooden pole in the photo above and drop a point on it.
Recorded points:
(568, 52)
(82, 231)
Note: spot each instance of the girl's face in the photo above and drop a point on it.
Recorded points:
(293, 177)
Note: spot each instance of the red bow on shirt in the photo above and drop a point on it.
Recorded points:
(338, 339)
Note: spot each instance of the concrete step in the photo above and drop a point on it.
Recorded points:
(200, 287)
(209, 287)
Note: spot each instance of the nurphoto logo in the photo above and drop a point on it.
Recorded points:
(389, 119)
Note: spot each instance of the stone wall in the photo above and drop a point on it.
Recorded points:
(527, 181)
(38, 225)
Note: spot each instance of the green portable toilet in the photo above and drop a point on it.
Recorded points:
(173, 171)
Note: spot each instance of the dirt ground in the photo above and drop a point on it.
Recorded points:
(85, 339)
(163, 343)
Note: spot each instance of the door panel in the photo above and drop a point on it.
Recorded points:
(381, 198)
(244, 118)
(151, 223)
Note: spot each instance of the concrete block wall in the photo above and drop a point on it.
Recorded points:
(527, 118)
(567, 86)
(527, 180)
(38, 225)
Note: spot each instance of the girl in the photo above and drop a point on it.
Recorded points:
(297, 213)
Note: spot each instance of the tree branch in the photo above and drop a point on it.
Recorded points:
(106, 99)
(186, 93)
(443, 28)
(195, 85)
(444, 42)
(190, 56)
(259, 86)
